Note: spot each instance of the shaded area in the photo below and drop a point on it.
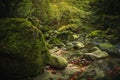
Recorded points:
(59, 39)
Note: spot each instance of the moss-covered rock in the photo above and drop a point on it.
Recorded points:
(78, 45)
(108, 47)
(58, 62)
(68, 27)
(97, 54)
(65, 35)
(104, 69)
(56, 41)
(23, 49)
(96, 33)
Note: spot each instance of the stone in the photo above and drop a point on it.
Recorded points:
(97, 54)
(78, 45)
(58, 62)
(108, 47)
(23, 51)
(104, 69)
(96, 33)
(75, 36)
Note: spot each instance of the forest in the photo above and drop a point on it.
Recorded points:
(59, 39)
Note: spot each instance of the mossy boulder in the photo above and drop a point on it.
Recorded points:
(78, 45)
(23, 50)
(65, 35)
(16, 8)
(97, 54)
(58, 62)
(108, 47)
(96, 34)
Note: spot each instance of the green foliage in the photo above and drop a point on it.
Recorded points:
(23, 50)
(61, 12)
(35, 21)
(75, 21)
(55, 41)
(84, 10)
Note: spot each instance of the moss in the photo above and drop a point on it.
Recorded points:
(97, 33)
(97, 53)
(35, 21)
(78, 45)
(65, 35)
(58, 62)
(56, 42)
(108, 47)
(68, 27)
(23, 50)
(25, 8)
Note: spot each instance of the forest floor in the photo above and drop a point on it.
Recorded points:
(82, 67)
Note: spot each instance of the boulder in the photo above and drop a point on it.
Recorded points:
(65, 35)
(104, 69)
(23, 51)
(58, 62)
(96, 33)
(97, 54)
(108, 47)
(78, 45)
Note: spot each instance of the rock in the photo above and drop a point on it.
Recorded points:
(23, 52)
(65, 35)
(104, 69)
(48, 76)
(108, 47)
(71, 69)
(78, 45)
(68, 27)
(96, 33)
(97, 54)
(69, 44)
(58, 62)
(118, 47)
(75, 36)
(93, 72)
(65, 74)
